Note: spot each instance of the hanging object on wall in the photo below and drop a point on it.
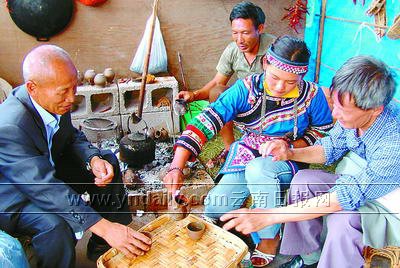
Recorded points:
(151, 47)
(92, 3)
(378, 10)
(394, 30)
(296, 14)
(41, 18)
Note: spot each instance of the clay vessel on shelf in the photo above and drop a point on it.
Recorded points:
(109, 74)
(89, 76)
(100, 80)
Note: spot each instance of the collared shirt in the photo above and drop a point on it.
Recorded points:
(51, 123)
(233, 60)
(379, 146)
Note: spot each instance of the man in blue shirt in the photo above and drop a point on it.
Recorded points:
(368, 125)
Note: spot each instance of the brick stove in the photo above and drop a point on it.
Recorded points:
(116, 102)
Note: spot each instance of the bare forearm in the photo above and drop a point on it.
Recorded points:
(306, 210)
(100, 227)
(311, 154)
(204, 92)
(181, 157)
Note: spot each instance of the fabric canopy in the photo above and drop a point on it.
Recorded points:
(343, 39)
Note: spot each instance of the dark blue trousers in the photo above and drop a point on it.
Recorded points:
(52, 238)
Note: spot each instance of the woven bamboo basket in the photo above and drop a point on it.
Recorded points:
(172, 247)
(383, 257)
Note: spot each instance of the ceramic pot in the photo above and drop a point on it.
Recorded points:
(100, 80)
(161, 135)
(195, 230)
(109, 74)
(89, 76)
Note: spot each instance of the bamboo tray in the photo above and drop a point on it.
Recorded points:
(173, 248)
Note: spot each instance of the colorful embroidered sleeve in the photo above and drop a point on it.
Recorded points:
(210, 121)
(320, 118)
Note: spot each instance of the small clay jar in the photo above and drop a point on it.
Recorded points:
(179, 206)
(109, 74)
(161, 135)
(195, 230)
(100, 80)
(89, 76)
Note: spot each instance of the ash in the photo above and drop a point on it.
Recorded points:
(148, 178)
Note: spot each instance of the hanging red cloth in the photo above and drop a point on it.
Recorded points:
(92, 2)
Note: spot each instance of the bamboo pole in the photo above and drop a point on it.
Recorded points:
(147, 60)
(320, 40)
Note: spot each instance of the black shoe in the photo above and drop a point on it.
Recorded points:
(297, 262)
(95, 250)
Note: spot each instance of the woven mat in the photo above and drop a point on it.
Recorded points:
(172, 247)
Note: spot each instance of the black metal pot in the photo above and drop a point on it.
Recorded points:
(137, 149)
(41, 18)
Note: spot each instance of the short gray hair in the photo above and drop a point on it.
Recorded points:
(368, 80)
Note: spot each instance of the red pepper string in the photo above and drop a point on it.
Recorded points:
(8, 9)
(296, 14)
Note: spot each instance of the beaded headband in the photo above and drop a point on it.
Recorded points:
(286, 65)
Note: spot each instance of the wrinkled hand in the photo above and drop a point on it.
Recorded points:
(186, 95)
(173, 180)
(130, 242)
(278, 149)
(246, 220)
(102, 170)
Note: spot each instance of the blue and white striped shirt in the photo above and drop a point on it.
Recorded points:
(379, 146)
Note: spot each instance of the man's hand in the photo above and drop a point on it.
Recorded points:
(102, 170)
(278, 149)
(188, 96)
(173, 180)
(131, 243)
(246, 220)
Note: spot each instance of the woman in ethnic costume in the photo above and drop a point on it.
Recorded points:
(277, 104)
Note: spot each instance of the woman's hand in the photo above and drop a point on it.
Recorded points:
(278, 149)
(173, 180)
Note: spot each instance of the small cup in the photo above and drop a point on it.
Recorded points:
(195, 230)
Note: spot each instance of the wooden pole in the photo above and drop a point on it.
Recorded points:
(320, 40)
(147, 59)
